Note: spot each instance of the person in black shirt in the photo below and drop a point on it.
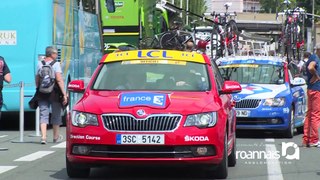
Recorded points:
(4, 76)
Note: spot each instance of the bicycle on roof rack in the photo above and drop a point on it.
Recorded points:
(225, 35)
(291, 40)
(175, 38)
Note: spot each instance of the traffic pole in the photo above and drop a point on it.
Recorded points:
(21, 115)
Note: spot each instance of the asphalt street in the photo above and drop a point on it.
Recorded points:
(260, 156)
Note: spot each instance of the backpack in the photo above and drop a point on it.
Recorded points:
(47, 78)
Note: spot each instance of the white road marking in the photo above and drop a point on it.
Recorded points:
(6, 168)
(2, 136)
(60, 145)
(273, 165)
(34, 156)
(269, 140)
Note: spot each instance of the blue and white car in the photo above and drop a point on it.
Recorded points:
(272, 98)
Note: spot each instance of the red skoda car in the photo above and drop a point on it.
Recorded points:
(145, 107)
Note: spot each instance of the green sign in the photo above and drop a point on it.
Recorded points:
(126, 14)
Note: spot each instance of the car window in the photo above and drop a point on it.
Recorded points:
(217, 75)
(293, 68)
(130, 75)
(253, 73)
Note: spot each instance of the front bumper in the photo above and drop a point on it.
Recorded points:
(101, 147)
(272, 118)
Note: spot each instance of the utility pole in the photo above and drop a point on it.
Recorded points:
(313, 28)
(187, 14)
(181, 8)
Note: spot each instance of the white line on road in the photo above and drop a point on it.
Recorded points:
(60, 145)
(34, 156)
(6, 168)
(269, 140)
(2, 136)
(273, 165)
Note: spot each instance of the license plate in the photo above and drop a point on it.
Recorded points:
(242, 113)
(140, 139)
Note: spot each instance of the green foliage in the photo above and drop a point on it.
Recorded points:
(273, 6)
(268, 6)
(195, 6)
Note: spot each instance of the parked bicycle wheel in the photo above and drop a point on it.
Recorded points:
(232, 37)
(169, 41)
(151, 43)
(217, 46)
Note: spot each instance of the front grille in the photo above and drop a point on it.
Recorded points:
(123, 122)
(248, 103)
(142, 151)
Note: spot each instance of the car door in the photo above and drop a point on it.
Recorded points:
(298, 93)
(227, 100)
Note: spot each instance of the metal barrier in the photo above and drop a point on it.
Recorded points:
(21, 113)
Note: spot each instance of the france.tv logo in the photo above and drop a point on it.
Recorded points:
(143, 99)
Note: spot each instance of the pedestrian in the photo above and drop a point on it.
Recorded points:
(4, 76)
(189, 47)
(51, 100)
(302, 65)
(312, 119)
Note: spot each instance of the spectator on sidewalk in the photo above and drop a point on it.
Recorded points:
(4, 76)
(52, 100)
(312, 119)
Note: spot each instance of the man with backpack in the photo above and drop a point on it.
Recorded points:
(312, 119)
(4, 76)
(50, 87)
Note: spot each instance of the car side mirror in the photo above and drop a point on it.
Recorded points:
(230, 87)
(298, 81)
(76, 86)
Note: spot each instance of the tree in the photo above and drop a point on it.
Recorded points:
(195, 6)
(273, 6)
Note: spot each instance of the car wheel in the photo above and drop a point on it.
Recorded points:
(232, 160)
(289, 132)
(221, 170)
(75, 172)
(300, 129)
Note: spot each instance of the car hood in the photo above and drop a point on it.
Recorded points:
(261, 91)
(149, 103)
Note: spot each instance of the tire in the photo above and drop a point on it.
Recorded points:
(232, 160)
(234, 32)
(289, 132)
(300, 129)
(221, 171)
(168, 41)
(74, 172)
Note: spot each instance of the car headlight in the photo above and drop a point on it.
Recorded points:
(81, 119)
(274, 101)
(202, 120)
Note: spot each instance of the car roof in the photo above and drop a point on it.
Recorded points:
(273, 60)
(155, 54)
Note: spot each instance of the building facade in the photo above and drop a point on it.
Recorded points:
(237, 5)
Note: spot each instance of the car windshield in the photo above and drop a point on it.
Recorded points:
(253, 73)
(152, 75)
